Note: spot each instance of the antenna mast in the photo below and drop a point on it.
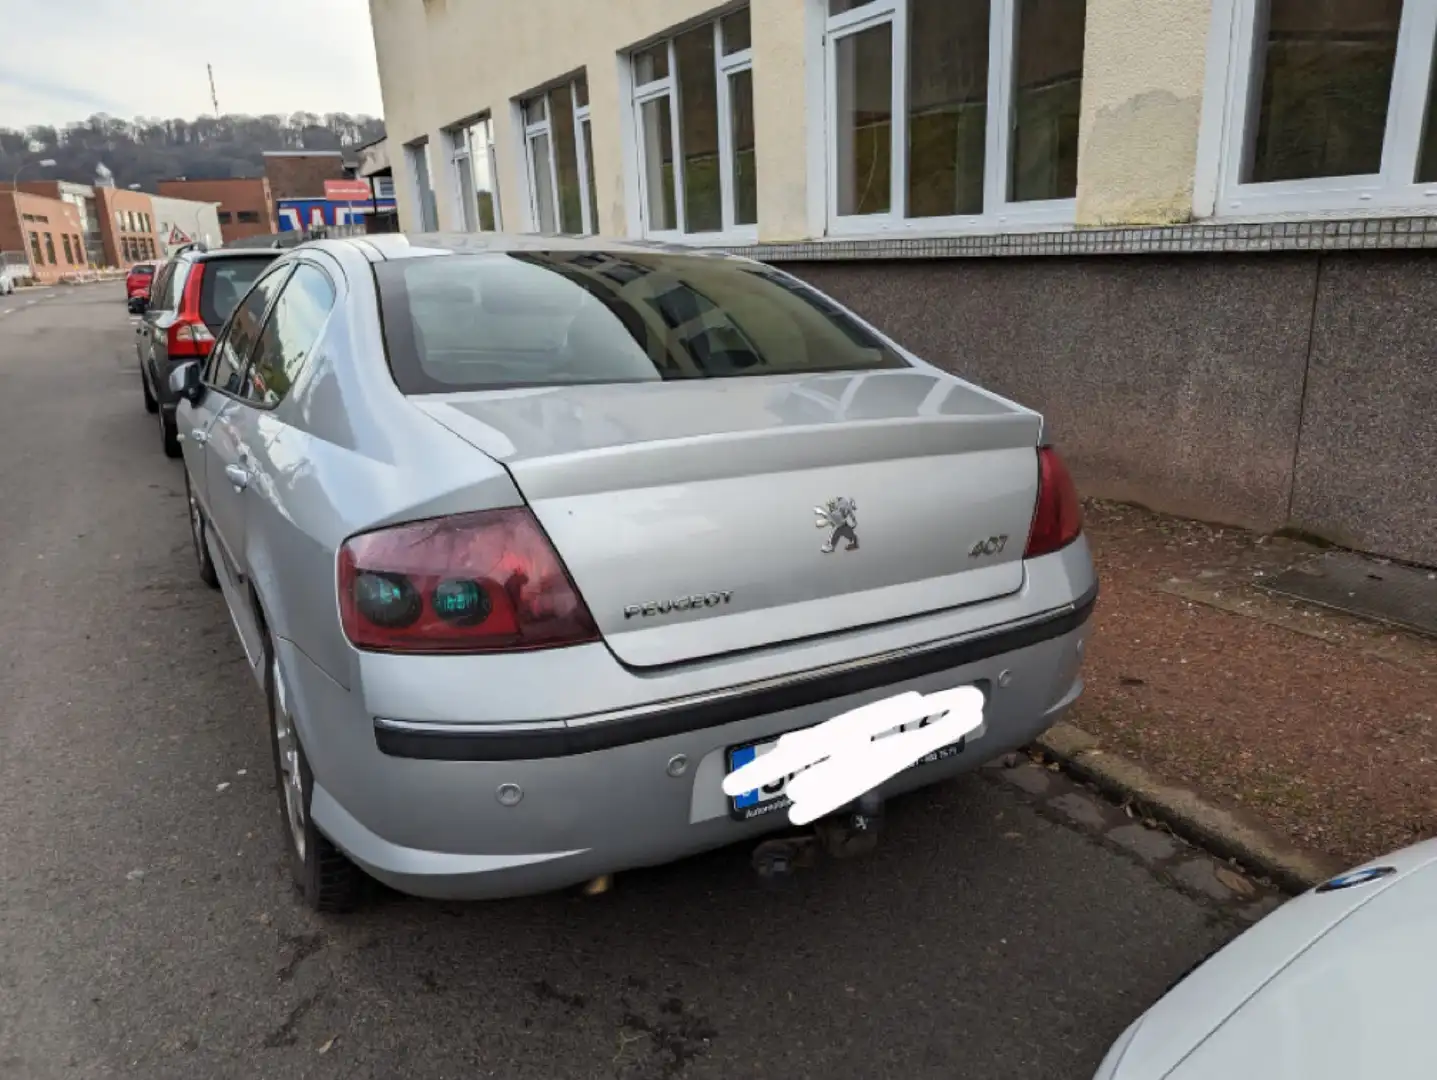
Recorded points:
(214, 98)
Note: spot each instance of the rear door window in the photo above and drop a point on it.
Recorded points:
(289, 335)
(224, 285)
(491, 320)
(232, 352)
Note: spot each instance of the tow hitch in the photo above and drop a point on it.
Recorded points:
(851, 832)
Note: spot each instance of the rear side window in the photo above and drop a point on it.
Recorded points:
(224, 285)
(145, 268)
(490, 320)
(290, 334)
(226, 367)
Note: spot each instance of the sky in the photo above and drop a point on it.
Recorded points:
(62, 60)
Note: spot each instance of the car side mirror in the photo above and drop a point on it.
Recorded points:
(185, 382)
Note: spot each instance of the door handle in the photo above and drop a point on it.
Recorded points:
(238, 475)
(199, 436)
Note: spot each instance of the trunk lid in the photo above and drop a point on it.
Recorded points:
(706, 517)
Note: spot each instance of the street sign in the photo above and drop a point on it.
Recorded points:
(177, 236)
(347, 190)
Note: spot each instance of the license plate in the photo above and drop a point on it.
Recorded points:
(771, 798)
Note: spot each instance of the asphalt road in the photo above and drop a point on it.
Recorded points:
(147, 928)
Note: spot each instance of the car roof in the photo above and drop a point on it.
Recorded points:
(380, 247)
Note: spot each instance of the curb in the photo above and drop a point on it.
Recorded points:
(1187, 814)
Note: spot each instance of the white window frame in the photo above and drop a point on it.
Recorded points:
(415, 153)
(581, 149)
(724, 66)
(1230, 116)
(999, 213)
(461, 149)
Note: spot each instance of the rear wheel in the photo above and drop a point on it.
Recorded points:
(325, 878)
(169, 435)
(198, 529)
(151, 405)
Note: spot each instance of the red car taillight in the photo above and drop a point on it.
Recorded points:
(1058, 520)
(488, 581)
(188, 335)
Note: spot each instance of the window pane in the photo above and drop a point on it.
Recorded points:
(1047, 95)
(465, 173)
(698, 130)
(481, 142)
(863, 65)
(659, 163)
(534, 110)
(651, 64)
(947, 106)
(745, 163)
(543, 188)
(1427, 153)
(289, 334)
(581, 91)
(589, 175)
(1326, 78)
(736, 32)
(474, 322)
(566, 158)
(838, 7)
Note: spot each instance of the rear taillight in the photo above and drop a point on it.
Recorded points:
(189, 338)
(482, 582)
(1058, 521)
(188, 335)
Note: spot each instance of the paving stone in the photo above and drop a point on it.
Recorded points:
(1201, 875)
(1146, 843)
(1081, 808)
(1031, 778)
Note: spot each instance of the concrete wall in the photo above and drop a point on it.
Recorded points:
(1259, 390)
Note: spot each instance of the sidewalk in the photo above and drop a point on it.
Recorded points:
(1319, 725)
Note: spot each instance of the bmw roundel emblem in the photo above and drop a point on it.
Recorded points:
(1355, 878)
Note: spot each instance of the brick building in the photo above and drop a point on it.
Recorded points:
(300, 174)
(127, 226)
(245, 206)
(49, 231)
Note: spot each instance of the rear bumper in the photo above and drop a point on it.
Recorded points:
(419, 811)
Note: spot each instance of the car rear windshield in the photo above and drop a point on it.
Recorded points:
(493, 320)
(224, 284)
(142, 268)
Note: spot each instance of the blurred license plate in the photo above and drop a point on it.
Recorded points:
(771, 799)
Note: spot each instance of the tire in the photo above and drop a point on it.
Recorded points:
(326, 880)
(169, 435)
(198, 529)
(151, 405)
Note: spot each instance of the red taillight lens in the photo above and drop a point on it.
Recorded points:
(1059, 518)
(189, 338)
(483, 582)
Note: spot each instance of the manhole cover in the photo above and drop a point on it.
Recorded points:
(1401, 595)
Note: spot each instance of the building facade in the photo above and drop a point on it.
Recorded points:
(244, 207)
(185, 221)
(128, 229)
(300, 174)
(1194, 233)
(49, 232)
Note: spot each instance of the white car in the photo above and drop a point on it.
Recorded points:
(8, 274)
(1339, 983)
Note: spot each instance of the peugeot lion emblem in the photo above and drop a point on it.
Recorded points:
(840, 515)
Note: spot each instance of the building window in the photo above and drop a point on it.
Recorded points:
(69, 253)
(384, 188)
(35, 256)
(224, 216)
(79, 251)
(417, 156)
(693, 115)
(1329, 106)
(247, 217)
(471, 156)
(50, 249)
(557, 161)
(952, 113)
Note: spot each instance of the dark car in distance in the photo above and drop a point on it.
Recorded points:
(193, 294)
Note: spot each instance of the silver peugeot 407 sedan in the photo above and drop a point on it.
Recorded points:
(531, 541)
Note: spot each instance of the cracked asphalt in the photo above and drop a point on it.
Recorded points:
(147, 928)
